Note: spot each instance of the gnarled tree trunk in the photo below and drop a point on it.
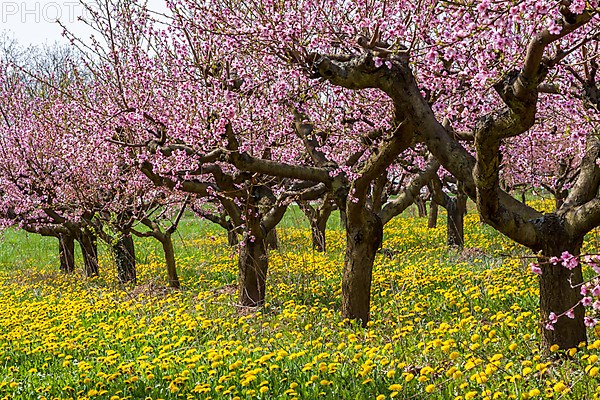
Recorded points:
(124, 253)
(272, 239)
(317, 231)
(433, 215)
(66, 251)
(421, 207)
(89, 249)
(317, 218)
(557, 295)
(252, 273)
(456, 212)
(456, 207)
(559, 288)
(232, 237)
(167, 245)
(364, 234)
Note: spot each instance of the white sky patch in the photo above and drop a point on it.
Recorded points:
(33, 22)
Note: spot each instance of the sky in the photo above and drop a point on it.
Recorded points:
(33, 22)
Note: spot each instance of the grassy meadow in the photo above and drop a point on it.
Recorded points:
(445, 325)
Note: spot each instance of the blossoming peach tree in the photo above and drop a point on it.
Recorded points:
(59, 178)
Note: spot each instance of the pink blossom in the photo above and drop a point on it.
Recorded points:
(577, 6)
(431, 55)
(553, 27)
(568, 260)
(482, 6)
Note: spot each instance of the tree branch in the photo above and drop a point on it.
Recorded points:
(582, 219)
(588, 182)
(200, 188)
(246, 162)
(304, 129)
(407, 196)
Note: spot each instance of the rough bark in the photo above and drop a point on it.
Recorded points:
(455, 226)
(559, 199)
(66, 251)
(317, 218)
(319, 228)
(124, 253)
(364, 234)
(232, 237)
(167, 245)
(433, 215)
(272, 239)
(89, 249)
(343, 218)
(317, 232)
(252, 271)
(421, 207)
(559, 290)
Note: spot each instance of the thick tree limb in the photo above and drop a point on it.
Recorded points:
(381, 158)
(200, 188)
(246, 162)
(588, 181)
(305, 131)
(273, 217)
(46, 230)
(582, 219)
(407, 196)
(437, 191)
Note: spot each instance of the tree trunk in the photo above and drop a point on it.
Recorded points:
(89, 249)
(272, 239)
(320, 226)
(252, 272)
(421, 207)
(232, 237)
(66, 251)
(343, 217)
(124, 253)
(559, 198)
(167, 245)
(559, 291)
(455, 220)
(433, 215)
(317, 231)
(317, 218)
(364, 234)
